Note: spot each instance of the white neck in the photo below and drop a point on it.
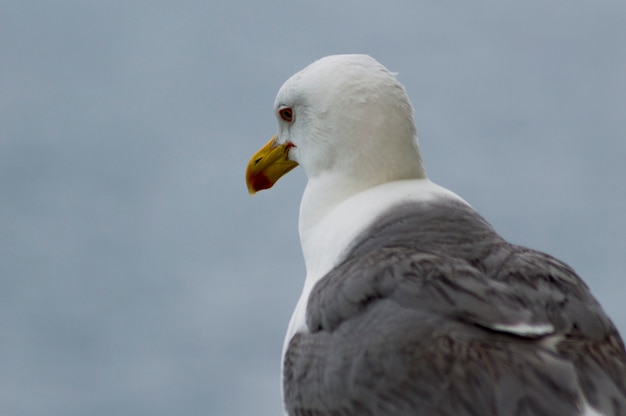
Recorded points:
(332, 188)
(329, 221)
(320, 197)
(330, 215)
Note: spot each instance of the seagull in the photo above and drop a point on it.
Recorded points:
(412, 303)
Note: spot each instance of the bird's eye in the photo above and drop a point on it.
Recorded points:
(286, 114)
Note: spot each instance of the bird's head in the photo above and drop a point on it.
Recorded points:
(343, 115)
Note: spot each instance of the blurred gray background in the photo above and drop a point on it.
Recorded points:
(137, 277)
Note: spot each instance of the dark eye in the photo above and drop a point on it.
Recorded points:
(286, 114)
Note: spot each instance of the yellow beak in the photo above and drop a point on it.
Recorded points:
(267, 165)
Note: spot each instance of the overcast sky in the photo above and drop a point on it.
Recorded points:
(137, 277)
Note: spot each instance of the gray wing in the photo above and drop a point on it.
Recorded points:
(432, 313)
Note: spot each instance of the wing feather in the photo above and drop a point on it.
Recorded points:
(432, 313)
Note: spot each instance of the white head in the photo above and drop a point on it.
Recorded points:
(350, 118)
(349, 123)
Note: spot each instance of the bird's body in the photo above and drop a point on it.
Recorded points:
(412, 303)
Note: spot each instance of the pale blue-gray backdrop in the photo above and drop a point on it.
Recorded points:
(137, 277)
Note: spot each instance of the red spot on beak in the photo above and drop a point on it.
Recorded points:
(260, 182)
